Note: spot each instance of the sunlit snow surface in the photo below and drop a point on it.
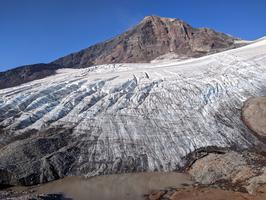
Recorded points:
(163, 110)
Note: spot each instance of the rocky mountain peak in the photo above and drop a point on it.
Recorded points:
(163, 23)
(152, 37)
(155, 18)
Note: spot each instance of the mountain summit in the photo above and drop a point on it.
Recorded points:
(153, 37)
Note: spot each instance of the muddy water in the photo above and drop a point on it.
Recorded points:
(114, 187)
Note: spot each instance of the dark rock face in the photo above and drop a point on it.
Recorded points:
(40, 163)
(25, 74)
(53, 154)
(12, 195)
(152, 37)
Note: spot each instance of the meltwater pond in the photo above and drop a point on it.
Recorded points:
(114, 187)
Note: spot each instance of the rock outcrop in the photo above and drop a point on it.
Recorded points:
(254, 115)
(204, 193)
(243, 170)
(152, 37)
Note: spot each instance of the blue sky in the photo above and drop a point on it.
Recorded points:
(34, 31)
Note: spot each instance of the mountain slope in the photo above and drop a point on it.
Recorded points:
(152, 37)
(128, 117)
(26, 74)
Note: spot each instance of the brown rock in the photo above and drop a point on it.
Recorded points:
(152, 37)
(217, 167)
(231, 170)
(213, 194)
(156, 195)
(254, 115)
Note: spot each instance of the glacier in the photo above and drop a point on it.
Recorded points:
(120, 118)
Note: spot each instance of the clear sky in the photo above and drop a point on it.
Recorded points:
(34, 31)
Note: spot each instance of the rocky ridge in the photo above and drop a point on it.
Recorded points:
(152, 37)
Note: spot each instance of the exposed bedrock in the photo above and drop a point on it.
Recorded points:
(254, 115)
(245, 170)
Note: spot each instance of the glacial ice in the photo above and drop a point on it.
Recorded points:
(152, 115)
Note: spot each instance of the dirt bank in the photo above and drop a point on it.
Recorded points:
(205, 193)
